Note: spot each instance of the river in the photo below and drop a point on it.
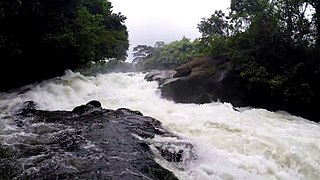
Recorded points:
(245, 144)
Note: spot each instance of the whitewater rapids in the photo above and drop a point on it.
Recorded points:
(245, 144)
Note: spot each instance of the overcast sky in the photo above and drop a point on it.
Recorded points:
(149, 21)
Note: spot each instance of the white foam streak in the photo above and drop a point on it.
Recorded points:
(250, 144)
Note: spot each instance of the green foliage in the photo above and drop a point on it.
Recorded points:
(216, 25)
(171, 55)
(275, 45)
(254, 73)
(41, 39)
(141, 52)
(277, 82)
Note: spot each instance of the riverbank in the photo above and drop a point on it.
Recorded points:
(208, 79)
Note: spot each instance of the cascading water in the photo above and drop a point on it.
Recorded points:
(245, 144)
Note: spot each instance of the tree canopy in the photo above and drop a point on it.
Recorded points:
(275, 44)
(163, 55)
(40, 39)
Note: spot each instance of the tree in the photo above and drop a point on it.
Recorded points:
(141, 52)
(214, 30)
(217, 25)
(274, 45)
(159, 44)
(172, 54)
(41, 39)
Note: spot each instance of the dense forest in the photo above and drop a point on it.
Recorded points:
(41, 39)
(273, 44)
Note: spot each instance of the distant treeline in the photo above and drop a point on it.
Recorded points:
(41, 39)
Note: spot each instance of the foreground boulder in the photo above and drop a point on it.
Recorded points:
(202, 80)
(87, 143)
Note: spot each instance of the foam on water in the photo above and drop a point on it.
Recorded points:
(246, 144)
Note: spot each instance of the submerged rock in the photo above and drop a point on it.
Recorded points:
(169, 151)
(86, 143)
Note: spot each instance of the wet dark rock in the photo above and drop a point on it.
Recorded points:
(94, 103)
(177, 151)
(28, 107)
(208, 79)
(160, 76)
(92, 106)
(81, 109)
(203, 80)
(87, 143)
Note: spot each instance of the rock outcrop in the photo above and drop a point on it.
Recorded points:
(207, 79)
(202, 80)
(160, 76)
(87, 143)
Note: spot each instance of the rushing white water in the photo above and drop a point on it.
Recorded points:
(250, 144)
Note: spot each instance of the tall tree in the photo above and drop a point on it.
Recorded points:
(141, 52)
(272, 44)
